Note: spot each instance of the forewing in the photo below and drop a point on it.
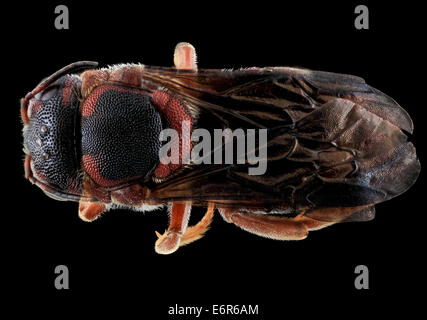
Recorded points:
(332, 139)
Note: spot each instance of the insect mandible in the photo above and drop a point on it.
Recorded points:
(334, 146)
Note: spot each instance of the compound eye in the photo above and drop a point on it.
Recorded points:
(47, 93)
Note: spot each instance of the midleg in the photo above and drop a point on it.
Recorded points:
(197, 231)
(185, 57)
(178, 234)
(178, 220)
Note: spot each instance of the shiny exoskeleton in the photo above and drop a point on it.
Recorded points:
(335, 146)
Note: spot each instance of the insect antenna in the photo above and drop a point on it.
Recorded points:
(71, 68)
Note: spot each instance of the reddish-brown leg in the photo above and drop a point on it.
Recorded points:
(178, 220)
(185, 57)
(283, 228)
(178, 234)
(89, 211)
(277, 228)
(197, 231)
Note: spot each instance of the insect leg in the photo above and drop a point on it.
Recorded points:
(283, 228)
(178, 234)
(197, 231)
(272, 227)
(178, 220)
(185, 57)
(89, 211)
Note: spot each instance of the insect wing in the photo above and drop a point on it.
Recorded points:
(307, 114)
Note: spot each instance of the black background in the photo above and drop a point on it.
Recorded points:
(112, 263)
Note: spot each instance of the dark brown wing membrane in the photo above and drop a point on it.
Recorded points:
(363, 215)
(332, 139)
(293, 90)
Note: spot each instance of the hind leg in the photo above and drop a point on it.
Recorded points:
(283, 228)
(272, 227)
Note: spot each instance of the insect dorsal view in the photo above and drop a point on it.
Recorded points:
(277, 151)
